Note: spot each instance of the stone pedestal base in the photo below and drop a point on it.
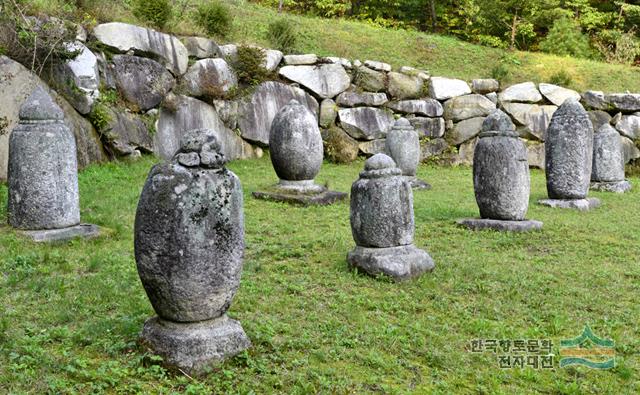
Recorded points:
(86, 231)
(615, 186)
(399, 263)
(304, 193)
(578, 204)
(194, 346)
(500, 225)
(417, 183)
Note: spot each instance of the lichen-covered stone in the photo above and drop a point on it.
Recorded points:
(403, 146)
(381, 205)
(189, 234)
(256, 113)
(164, 48)
(189, 243)
(366, 123)
(142, 82)
(569, 152)
(382, 223)
(43, 169)
(608, 158)
(500, 171)
(295, 143)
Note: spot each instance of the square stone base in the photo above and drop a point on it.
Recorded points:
(399, 263)
(86, 231)
(577, 204)
(417, 183)
(194, 347)
(500, 225)
(322, 197)
(616, 186)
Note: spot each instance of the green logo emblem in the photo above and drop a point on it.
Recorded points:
(588, 350)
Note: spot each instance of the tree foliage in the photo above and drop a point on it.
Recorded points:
(516, 24)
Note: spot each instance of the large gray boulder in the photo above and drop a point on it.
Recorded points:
(43, 169)
(401, 86)
(464, 130)
(629, 126)
(189, 244)
(469, 106)
(125, 134)
(211, 78)
(569, 152)
(595, 100)
(535, 153)
(369, 80)
(328, 113)
(608, 157)
(356, 99)
(339, 147)
(325, 81)
(295, 143)
(373, 147)
(378, 66)
(629, 150)
(441, 88)
(625, 102)
(16, 84)
(535, 118)
(180, 114)
(272, 59)
(599, 118)
(78, 79)
(299, 60)
(142, 82)
(428, 127)
(201, 47)
(557, 94)
(256, 112)
(365, 123)
(484, 86)
(166, 49)
(433, 149)
(426, 107)
(525, 92)
(504, 194)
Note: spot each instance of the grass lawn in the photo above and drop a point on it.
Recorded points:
(70, 314)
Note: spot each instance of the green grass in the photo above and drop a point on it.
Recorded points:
(441, 55)
(71, 313)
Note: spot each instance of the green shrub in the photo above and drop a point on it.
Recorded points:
(249, 66)
(617, 46)
(282, 35)
(562, 78)
(215, 18)
(566, 39)
(155, 12)
(500, 72)
(99, 117)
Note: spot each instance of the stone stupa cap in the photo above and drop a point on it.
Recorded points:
(570, 108)
(197, 139)
(39, 106)
(498, 120)
(200, 148)
(402, 123)
(379, 162)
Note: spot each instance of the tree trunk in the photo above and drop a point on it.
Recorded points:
(432, 6)
(514, 28)
(280, 6)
